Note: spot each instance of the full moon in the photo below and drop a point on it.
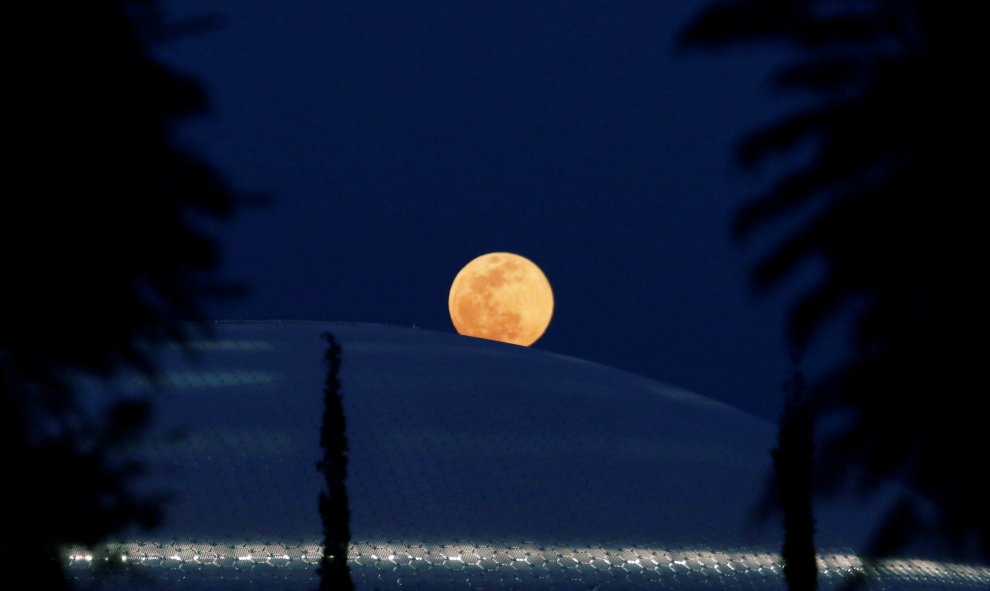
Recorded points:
(503, 297)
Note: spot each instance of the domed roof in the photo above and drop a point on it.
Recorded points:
(472, 464)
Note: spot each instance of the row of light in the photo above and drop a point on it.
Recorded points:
(833, 565)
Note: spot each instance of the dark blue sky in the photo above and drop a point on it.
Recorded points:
(399, 140)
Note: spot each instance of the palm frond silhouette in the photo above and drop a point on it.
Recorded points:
(887, 203)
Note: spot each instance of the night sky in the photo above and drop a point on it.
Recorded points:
(399, 140)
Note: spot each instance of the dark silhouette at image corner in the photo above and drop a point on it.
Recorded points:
(104, 259)
(886, 206)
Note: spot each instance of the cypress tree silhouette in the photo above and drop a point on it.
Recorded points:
(334, 512)
(886, 204)
(102, 261)
(793, 461)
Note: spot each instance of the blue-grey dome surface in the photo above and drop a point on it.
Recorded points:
(472, 465)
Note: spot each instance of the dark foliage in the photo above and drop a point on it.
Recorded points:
(70, 487)
(793, 461)
(100, 233)
(334, 511)
(888, 204)
(102, 259)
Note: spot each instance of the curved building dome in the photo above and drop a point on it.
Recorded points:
(472, 465)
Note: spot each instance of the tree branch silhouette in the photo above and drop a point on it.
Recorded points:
(887, 205)
(793, 461)
(104, 260)
(334, 511)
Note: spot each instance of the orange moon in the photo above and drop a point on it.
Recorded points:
(503, 297)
